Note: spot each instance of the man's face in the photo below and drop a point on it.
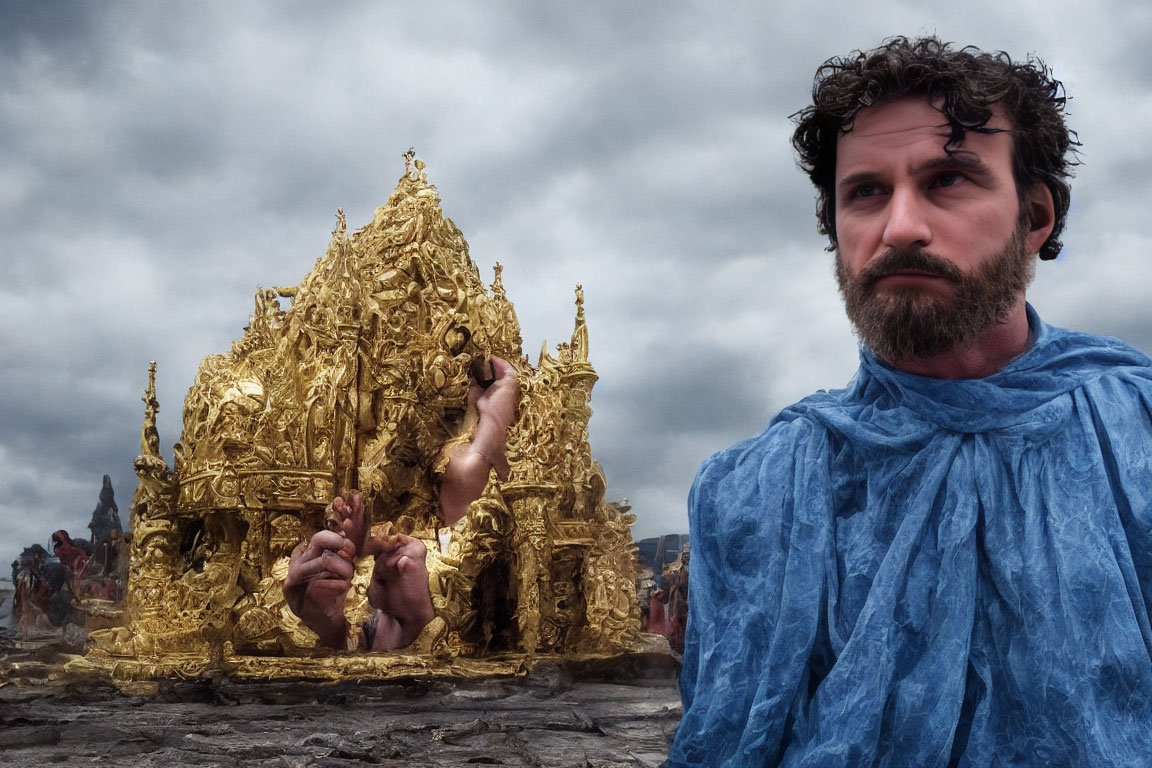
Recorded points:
(932, 247)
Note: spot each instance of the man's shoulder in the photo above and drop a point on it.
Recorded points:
(1064, 360)
(742, 493)
(800, 425)
(1090, 350)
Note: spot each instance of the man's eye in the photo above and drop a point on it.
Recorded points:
(865, 190)
(948, 179)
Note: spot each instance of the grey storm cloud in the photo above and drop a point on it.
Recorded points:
(159, 161)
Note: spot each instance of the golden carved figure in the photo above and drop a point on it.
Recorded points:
(363, 383)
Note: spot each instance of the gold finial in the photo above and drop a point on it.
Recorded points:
(149, 436)
(341, 222)
(498, 281)
(149, 399)
(578, 347)
(414, 167)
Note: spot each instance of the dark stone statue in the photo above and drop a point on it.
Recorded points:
(105, 521)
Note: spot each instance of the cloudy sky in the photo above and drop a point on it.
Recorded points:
(159, 161)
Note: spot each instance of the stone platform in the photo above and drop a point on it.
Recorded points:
(619, 712)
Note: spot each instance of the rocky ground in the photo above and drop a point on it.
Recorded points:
(610, 713)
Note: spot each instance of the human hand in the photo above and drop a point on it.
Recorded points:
(399, 589)
(495, 407)
(497, 402)
(346, 516)
(319, 575)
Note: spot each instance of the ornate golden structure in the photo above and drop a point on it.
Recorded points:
(362, 383)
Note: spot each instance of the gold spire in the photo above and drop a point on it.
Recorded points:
(149, 436)
(580, 332)
(498, 282)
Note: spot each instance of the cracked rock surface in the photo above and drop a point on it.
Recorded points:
(560, 715)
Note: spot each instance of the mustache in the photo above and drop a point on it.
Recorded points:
(897, 260)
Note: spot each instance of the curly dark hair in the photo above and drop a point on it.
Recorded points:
(966, 83)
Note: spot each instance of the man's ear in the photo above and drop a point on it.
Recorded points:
(1040, 214)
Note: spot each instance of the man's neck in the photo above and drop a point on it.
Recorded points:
(982, 356)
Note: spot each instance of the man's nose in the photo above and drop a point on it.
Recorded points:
(907, 223)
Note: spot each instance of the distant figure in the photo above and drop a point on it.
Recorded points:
(675, 594)
(27, 604)
(43, 598)
(68, 552)
(658, 614)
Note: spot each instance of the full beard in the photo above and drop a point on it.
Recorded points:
(907, 322)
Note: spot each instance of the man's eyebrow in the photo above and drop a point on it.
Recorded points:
(955, 159)
(853, 179)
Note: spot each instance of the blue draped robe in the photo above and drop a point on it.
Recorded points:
(924, 572)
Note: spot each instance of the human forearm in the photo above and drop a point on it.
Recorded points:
(463, 482)
(467, 472)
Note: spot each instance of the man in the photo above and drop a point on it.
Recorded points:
(950, 561)
(321, 570)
